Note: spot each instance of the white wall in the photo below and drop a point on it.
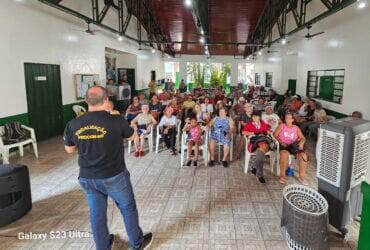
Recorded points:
(345, 44)
(33, 32)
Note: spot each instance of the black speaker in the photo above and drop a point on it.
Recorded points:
(15, 193)
(152, 75)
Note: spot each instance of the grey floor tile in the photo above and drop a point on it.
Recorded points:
(188, 208)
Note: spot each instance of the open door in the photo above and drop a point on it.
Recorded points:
(44, 99)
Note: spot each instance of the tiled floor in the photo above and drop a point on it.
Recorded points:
(188, 208)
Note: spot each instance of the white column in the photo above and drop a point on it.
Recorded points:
(234, 73)
(182, 70)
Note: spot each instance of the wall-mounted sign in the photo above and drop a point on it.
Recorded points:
(40, 78)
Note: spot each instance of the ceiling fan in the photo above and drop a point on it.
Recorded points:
(309, 36)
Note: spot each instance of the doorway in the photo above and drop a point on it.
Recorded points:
(44, 99)
(292, 86)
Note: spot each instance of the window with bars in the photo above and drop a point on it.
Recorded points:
(268, 82)
(257, 79)
(327, 85)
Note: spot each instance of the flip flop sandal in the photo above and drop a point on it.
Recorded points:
(303, 181)
(305, 159)
(282, 181)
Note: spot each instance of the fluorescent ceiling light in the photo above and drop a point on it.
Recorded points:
(188, 3)
(72, 38)
(361, 4)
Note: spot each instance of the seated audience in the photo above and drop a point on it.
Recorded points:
(295, 104)
(207, 107)
(239, 107)
(142, 125)
(291, 140)
(319, 117)
(257, 130)
(260, 106)
(134, 109)
(175, 107)
(155, 107)
(271, 118)
(222, 129)
(183, 88)
(243, 119)
(272, 96)
(152, 88)
(199, 115)
(356, 114)
(110, 108)
(194, 139)
(188, 105)
(167, 128)
(305, 113)
(142, 99)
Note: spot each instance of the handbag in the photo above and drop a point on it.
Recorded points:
(257, 139)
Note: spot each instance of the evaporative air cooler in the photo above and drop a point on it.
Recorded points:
(342, 162)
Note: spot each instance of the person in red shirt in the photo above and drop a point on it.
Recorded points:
(296, 104)
(257, 131)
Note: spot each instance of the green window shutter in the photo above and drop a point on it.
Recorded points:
(326, 88)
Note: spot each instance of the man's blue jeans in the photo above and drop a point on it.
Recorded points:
(119, 188)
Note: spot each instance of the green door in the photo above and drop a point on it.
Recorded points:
(326, 90)
(44, 99)
(292, 86)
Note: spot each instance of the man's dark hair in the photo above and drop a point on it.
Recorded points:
(96, 96)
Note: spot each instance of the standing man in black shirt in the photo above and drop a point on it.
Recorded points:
(97, 137)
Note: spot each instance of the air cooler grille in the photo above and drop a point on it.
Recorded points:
(330, 157)
(360, 157)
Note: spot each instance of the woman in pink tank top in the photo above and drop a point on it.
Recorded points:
(291, 140)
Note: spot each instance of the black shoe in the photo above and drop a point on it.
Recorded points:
(111, 239)
(146, 242)
(195, 163)
(261, 179)
(254, 171)
(211, 163)
(188, 163)
(225, 164)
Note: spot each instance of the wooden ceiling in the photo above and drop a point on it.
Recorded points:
(229, 21)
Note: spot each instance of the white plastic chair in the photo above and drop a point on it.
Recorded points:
(78, 110)
(274, 156)
(148, 137)
(202, 148)
(231, 147)
(159, 136)
(272, 104)
(5, 148)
